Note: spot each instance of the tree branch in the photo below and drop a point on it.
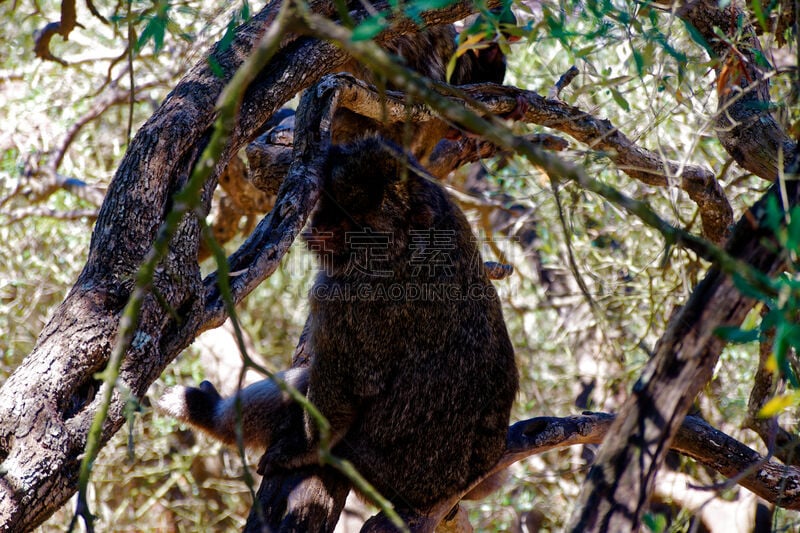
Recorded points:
(643, 165)
(619, 485)
(744, 123)
(49, 402)
(775, 482)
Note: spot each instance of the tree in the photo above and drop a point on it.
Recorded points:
(141, 299)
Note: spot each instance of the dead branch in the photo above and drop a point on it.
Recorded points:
(260, 255)
(42, 40)
(563, 81)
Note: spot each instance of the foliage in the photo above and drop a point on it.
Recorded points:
(640, 68)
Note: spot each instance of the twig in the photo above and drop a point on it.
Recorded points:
(46, 212)
(601, 135)
(563, 81)
(495, 131)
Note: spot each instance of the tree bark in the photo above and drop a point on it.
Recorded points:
(48, 404)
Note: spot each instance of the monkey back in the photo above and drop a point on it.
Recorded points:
(413, 365)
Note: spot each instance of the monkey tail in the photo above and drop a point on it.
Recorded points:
(260, 408)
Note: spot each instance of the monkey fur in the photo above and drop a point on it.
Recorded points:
(263, 409)
(417, 391)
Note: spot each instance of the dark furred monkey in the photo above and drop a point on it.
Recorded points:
(417, 386)
(428, 53)
(412, 363)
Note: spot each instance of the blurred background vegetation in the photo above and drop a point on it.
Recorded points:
(582, 328)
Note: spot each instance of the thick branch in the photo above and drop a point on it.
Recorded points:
(620, 484)
(260, 255)
(773, 481)
(639, 163)
(47, 405)
(765, 384)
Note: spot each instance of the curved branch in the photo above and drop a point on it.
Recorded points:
(745, 126)
(618, 487)
(599, 134)
(775, 482)
(63, 27)
(260, 255)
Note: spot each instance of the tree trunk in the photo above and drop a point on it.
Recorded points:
(48, 404)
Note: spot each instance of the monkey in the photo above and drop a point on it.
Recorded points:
(417, 388)
(428, 53)
(486, 62)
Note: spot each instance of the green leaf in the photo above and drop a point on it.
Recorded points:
(747, 289)
(370, 27)
(619, 99)
(657, 523)
(793, 231)
(697, 37)
(144, 37)
(753, 318)
(585, 51)
(777, 405)
(774, 214)
(783, 341)
(414, 10)
(216, 68)
(451, 66)
(638, 59)
(737, 335)
(227, 38)
(155, 29)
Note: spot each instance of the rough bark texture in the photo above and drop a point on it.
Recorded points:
(48, 404)
(618, 487)
(774, 482)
